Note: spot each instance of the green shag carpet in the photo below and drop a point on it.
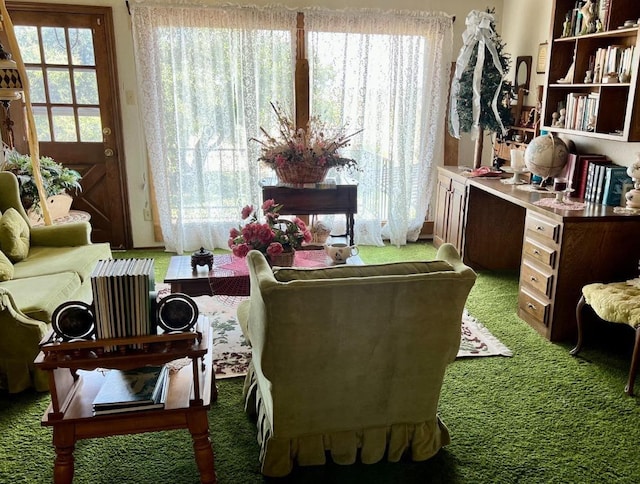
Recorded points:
(541, 416)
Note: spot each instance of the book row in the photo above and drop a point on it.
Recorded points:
(581, 111)
(122, 293)
(596, 179)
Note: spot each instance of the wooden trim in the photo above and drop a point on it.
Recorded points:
(301, 76)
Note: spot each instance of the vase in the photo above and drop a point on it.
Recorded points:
(284, 259)
(299, 173)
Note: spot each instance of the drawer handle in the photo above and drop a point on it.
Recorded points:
(540, 228)
(534, 279)
(536, 251)
(532, 306)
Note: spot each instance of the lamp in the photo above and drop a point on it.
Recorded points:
(10, 88)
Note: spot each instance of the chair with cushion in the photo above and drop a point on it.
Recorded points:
(351, 359)
(40, 268)
(617, 302)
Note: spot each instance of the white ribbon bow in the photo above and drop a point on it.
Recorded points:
(478, 32)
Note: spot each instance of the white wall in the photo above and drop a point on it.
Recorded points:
(134, 143)
(525, 25)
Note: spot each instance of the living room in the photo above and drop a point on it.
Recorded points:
(541, 416)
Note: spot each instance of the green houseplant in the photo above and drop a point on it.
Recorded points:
(56, 178)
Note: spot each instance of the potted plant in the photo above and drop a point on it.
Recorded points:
(57, 181)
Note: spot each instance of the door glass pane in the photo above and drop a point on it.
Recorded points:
(64, 125)
(90, 124)
(28, 43)
(55, 45)
(41, 118)
(36, 84)
(59, 86)
(81, 42)
(86, 86)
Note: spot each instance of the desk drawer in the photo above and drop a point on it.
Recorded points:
(539, 252)
(544, 228)
(538, 309)
(540, 281)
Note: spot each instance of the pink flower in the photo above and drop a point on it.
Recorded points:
(275, 248)
(307, 236)
(268, 204)
(246, 211)
(300, 223)
(241, 250)
(233, 233)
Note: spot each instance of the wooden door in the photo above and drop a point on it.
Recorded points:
(69, 54)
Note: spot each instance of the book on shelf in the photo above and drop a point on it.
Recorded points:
(582, 171)
(615, 178)
(132, 390)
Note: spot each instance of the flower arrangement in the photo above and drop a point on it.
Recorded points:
(314, 147)
(273, 237)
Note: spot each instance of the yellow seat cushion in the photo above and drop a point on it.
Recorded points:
(617, 302)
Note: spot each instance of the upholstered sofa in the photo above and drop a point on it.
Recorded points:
(40, 268)
(351, 359)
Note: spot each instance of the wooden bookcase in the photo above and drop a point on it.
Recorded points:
(75, 377)
(615, 100)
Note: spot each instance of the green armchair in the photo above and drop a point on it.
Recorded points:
(52, 264)
(351, 358)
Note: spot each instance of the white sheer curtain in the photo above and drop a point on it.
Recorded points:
(206, 76)
(388, 73)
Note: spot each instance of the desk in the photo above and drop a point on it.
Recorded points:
(556, 252)
(316, 201)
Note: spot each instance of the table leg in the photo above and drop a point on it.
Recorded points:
(350, 224)
(199, 428)
(64, 441)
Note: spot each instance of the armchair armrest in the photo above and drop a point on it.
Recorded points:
(64, 235)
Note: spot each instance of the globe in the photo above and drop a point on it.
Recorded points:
(546, 155)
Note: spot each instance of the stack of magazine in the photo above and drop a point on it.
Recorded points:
(122, 294)
(132, 390)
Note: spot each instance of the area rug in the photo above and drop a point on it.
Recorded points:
(232, 353)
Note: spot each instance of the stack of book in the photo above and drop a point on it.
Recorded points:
(596, 179)
(132, 390)
(122, 294)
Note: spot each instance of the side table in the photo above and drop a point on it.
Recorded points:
(343, 198)
(74, 384)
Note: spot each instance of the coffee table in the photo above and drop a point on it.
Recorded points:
(230, 274)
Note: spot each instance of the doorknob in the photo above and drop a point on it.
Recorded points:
(108, 152)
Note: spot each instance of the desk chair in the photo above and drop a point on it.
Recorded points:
(617, 303)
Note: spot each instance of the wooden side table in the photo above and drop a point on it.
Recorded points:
(74, 384)
(316, 201)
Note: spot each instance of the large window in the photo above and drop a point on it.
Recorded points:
(208, 76)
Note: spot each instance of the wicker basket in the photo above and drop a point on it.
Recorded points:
(282, 260)
(300, 173)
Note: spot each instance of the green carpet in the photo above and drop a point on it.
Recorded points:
(541, 416)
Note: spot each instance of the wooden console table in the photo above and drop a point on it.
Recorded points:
(74, 383)
(557, 252)
(316, 201)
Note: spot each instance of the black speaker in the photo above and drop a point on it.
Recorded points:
(73, 320)
(177, 312)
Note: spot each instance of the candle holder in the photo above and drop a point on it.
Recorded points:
(517, 167)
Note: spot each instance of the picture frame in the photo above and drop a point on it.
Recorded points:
(541, 60)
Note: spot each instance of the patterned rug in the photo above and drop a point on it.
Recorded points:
(231, 353)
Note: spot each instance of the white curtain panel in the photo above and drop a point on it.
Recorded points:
(388, 73)
(207, 76)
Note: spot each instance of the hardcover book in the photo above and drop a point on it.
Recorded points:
(615, 179)
(125, 390)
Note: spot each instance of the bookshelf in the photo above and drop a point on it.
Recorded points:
(592, 71)
(76, 378)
